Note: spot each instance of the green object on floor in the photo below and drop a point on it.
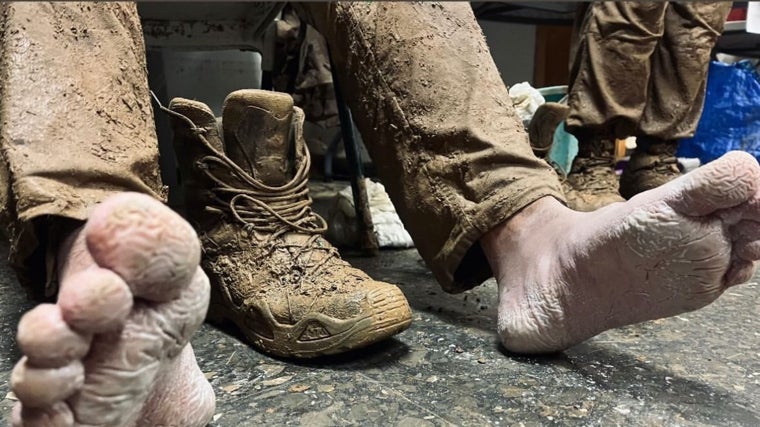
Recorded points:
(565, 146)
(563, 151)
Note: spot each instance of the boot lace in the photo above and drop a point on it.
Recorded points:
(271, 211)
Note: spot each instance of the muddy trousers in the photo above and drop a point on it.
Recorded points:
(77, 124)
(640, 68)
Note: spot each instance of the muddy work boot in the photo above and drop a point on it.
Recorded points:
(652, 164)
(272, 273)
(592, 183)
(543, 125)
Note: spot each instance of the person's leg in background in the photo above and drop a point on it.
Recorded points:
(607, 93)
(610, 73)
(639, 69)
(676, 93)
(76, 129)
(439, 124)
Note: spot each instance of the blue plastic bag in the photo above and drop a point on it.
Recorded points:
(731, 115)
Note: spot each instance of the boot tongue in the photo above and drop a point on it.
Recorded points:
(257, 134)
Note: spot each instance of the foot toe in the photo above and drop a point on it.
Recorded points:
(747, 250)
(152, 248)
(740, 271)
(46, 339)
(42, 387)
(727, 182)
(56, 415)
(745, 235)
(95, 300)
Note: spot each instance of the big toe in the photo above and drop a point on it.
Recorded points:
(151, 247)
(724, 183)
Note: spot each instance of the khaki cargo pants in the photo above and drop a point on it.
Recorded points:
(640, 68)
(77, 124)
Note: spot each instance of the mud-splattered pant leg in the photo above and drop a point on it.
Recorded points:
(439, 125)
(640, 68)
(76, 124)
(676, 92)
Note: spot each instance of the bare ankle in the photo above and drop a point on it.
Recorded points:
(508, 235)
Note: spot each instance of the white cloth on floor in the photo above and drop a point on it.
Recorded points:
(343, 225)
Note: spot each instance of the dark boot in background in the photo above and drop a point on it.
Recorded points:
(652, 164)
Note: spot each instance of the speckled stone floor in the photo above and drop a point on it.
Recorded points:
(448, 369)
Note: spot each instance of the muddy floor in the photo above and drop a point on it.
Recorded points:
(447, 369)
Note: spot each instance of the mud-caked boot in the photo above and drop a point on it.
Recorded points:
(592, 182)
(272, 273)
(544, 124)
(652, 164)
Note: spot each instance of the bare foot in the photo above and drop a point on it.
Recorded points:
(565, 276)
(114, 349)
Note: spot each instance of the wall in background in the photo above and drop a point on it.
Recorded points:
(513, 49)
